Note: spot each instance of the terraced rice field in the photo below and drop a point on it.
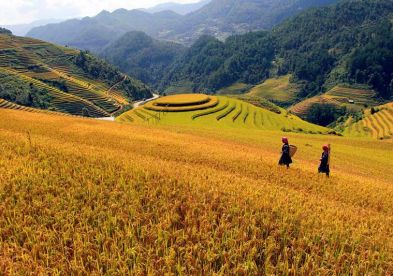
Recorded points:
(43, 64)
(225, 112)
(301, 109)
(181, 103)
(378, 125)
(278, 90)
(8, 105)
(63, 102)
(340, 97)
(359, 96)
(85, 197)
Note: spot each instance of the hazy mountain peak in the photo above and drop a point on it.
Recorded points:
(182, 9)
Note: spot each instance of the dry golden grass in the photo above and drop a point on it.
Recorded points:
(79, 196)
(182, 103)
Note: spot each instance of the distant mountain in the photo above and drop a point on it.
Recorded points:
(143, 57)
(219, 18)
(222, 18)
(23, 29)
(95, 33)
(182, 9)
(38, 74)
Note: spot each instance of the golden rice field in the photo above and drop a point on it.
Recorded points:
(378, 125)
(84, 197)
(8, 105)
(215, 112)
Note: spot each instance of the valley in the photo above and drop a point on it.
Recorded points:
(222, 137)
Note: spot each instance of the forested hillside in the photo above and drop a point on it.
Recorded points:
(143, 57)
(219, 18)
(347, 43)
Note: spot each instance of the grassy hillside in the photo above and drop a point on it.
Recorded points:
(41, 75)
(278, 90)
(234, 89)
(218, 112)
(352, 99)
(89, 197)
(376, 123)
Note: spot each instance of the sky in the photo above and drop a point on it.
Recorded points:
(26, 11)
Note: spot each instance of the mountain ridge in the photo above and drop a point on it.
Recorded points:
(220, 18)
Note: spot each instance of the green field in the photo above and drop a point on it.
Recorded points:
(278, 90)
(179, 88)
(228, 113)
(237, 88)
(377, 124)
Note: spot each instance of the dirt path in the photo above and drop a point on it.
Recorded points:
(113, 86)
(137, 104)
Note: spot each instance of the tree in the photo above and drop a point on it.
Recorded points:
(324, 114)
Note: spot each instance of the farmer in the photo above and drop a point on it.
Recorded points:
(324, 166)
(285, 159)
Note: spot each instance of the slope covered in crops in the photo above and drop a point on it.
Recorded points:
(218, 112)
(88, 197)
(376, 123)
(351, 98)
(278, 90)
(42, 75)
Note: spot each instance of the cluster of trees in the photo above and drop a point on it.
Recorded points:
(5, 31)
(100, 70)
(325, 114)
(315, 42)
(14, 90)
(372, 64)
(211, 64)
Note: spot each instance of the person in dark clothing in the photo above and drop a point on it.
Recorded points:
(324, 166)
(285, 159)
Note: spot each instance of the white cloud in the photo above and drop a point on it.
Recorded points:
(25, 11)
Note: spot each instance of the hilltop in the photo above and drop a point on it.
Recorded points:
(216, 112)
(38, 74)
(91, 197)
(179, 8)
